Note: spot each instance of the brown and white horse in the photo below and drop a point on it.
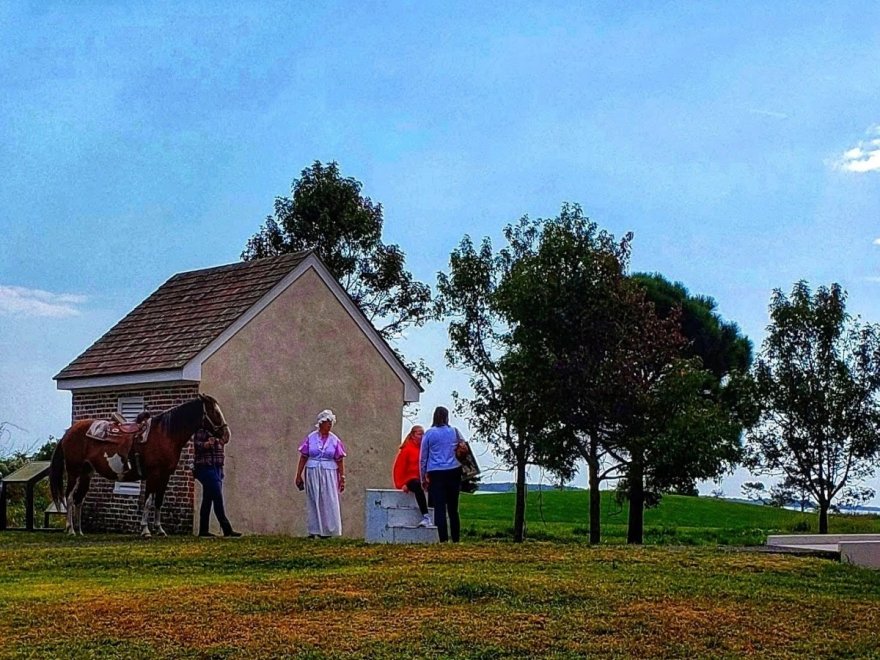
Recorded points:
(81, 456)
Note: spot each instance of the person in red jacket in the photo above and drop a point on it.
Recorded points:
(406, 470)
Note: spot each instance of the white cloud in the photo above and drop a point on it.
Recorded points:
(865, 156)
(20, 301)
(873, 278)
(768, 113)
(877, 241)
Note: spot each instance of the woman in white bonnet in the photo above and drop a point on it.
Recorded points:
(322, 456)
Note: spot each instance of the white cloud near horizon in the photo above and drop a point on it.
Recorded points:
(21, 301)
(865, 156)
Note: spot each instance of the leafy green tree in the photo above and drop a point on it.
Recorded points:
(672, 432)
(563, 301)
(719, 344)
(817, 386)
(616, 390)
(480, 344)
(327, 213)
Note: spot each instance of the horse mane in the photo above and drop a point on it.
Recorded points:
(186, 415)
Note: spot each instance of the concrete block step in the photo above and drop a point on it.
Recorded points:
(414, 535)
(818, 539)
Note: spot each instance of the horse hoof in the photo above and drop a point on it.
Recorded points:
(145, 534)
(161, 532)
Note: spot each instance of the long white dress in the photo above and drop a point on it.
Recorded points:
(322, 483)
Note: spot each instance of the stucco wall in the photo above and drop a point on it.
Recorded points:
(301, 354)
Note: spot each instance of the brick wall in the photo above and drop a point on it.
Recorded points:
(105, 511)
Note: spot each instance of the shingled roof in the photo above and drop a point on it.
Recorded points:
(181, 318)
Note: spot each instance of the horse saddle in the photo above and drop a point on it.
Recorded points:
(106, 430)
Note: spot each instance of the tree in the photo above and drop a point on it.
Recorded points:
(563, 300)
(721, 347)
(754, 490)
(479, 343)
(616, 386)
(672, 431)
(816, 383)
(327, 213)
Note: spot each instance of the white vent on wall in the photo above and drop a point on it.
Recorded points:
(129, 407)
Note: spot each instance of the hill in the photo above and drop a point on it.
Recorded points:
(681, 520)
(510, 487)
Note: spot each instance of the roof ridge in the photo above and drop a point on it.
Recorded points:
(262, 261)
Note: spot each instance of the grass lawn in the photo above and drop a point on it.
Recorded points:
(122, 597)
(563, 516)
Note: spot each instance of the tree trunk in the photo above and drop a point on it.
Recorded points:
(635, 531)
(519, 512)
(595, 502)
(823, 517)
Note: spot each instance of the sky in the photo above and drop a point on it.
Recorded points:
(740, 142)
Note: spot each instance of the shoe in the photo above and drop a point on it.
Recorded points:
(207, 534)
(232, 534)
(426, 521)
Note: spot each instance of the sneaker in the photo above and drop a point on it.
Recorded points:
(426, 521)
(232, 534)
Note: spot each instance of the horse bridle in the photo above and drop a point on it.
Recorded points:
(208, 425)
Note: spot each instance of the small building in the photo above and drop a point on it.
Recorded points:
(275, 341)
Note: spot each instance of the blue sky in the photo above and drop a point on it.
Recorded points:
(739, 141)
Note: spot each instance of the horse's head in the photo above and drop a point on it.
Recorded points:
(213, 420)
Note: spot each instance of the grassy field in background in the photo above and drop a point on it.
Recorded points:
(678, 520)
(184, 597)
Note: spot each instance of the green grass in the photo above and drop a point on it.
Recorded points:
(563, 516)
(115, 596)
(121, 597)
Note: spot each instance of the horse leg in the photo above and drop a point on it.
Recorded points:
(70, 505)
(159, 498)
(79, 495)
(145, 518)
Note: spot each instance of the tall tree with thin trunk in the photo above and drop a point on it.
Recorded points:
(817, 387)
(328, 213)
(562, 300)
(479, 337)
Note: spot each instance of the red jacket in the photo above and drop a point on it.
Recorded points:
(406, 465)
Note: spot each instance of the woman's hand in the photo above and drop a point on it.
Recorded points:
(405, 489)
(341, 484)
(299, 482)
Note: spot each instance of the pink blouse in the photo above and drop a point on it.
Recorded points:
(322, 452)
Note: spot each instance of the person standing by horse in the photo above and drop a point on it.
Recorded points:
(321, 473)
(208, 469)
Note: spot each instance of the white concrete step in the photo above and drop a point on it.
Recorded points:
(392, 516)
(818, 539)
(858, 549)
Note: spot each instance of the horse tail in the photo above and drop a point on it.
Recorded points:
(56, 474)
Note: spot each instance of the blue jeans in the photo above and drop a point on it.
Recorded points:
(211, 479)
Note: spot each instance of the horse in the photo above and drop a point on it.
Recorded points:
(81, 456)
